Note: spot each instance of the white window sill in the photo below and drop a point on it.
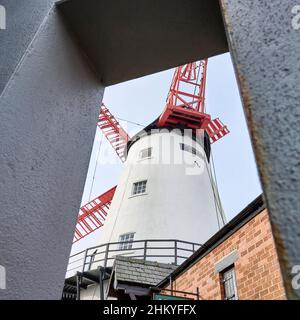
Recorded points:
(138, 195)
(143, 159)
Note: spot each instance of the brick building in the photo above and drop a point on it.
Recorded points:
(239, 262)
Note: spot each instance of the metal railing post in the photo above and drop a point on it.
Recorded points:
(175, 252)
(101, 283)
(145, 249)
(78, 284)
(84, 259)
(106, 255)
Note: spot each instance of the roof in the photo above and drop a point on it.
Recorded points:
(137, 271)
(247, 214)
(153, 126)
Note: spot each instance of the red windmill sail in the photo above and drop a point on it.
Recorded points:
(113, 132)
(93, 214)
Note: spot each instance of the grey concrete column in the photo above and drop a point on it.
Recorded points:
(266, 54)
(48, 115)
(23, 18)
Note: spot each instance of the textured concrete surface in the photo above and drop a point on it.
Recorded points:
(48, 115)
(22, 22)
(266, 55)
(125, 39)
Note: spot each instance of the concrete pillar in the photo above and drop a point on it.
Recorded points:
(48, 115)
(23, 18)
(264, 43)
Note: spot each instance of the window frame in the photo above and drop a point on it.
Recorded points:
(126, 244)
(149, 153)
(223, 282)
(134, 187)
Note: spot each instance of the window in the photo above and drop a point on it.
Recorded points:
(185, 147)
(126, 241)
(145, 153)
(229, 286)
(139, 187)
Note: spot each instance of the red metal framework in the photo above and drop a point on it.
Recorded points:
(186, 102)
(113, 131)
(93, 214)
(216, 130)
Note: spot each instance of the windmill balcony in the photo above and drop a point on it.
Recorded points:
(162, 250)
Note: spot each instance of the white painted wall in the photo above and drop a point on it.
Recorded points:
(179, 200)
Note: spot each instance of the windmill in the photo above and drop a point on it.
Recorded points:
(185, 109)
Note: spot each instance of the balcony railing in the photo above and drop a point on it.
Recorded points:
(161, 250)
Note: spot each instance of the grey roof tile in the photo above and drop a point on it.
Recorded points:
(140, 271)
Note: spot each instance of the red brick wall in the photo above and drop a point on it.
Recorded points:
(257, 268)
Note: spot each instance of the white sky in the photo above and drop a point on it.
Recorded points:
(142, 101)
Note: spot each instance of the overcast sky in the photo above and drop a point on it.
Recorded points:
(142, 100)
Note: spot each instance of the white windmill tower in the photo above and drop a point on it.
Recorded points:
(167, 189)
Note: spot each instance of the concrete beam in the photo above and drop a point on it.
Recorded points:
(48, 116)
(126, 39)
(266, 53)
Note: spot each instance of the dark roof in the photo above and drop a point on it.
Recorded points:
(153, 125)
(137, 271)
(253, 209)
